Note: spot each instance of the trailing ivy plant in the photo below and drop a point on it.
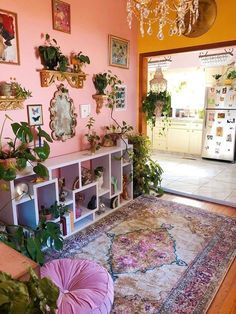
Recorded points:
(35, 295)
(150, 103)
(146, 172)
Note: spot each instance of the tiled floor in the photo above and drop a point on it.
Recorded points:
(199, 178)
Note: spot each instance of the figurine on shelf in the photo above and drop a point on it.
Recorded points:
(114, 183)
(62, 192)
(79, 199)
(124, 193)
(102, 209)
(98, 172)
(87, 176)
(92, 204)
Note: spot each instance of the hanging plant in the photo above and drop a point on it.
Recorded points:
(156, 105)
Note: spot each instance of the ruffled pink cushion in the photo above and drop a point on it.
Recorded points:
(85, 287)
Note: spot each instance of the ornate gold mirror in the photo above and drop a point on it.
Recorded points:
(62, 116)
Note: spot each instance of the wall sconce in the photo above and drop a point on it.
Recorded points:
(100, 99)
(216, 59)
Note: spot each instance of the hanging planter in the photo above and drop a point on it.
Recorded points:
(157, 104)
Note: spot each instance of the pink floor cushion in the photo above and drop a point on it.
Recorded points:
(85, 287)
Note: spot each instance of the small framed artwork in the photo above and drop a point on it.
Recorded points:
(61, 16)
(35, 115)
(9, 43)
(121, 97)
(118, 52)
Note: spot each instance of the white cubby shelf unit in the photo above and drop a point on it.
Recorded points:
(105, 199)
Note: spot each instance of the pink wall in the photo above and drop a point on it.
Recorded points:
(91, 22)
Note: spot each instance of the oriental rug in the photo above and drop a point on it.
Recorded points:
(164, 257)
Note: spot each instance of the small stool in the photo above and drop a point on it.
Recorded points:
(85, 287)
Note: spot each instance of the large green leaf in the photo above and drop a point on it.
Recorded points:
(41, 170)
(9, 174)
(43, 152)
(23, 132)
(21, 163)
(42, 133)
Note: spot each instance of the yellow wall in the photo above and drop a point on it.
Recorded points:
(224, 29)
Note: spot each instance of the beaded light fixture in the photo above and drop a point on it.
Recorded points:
(180, 15)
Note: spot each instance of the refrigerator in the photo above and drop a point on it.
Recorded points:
(220, 123)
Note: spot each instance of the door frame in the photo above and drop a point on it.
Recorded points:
(143, 73)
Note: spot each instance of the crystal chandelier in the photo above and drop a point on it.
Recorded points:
(180, 15)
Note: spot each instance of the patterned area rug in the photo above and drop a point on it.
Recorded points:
(163, 257)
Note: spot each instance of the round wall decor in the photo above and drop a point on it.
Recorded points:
(206, 19)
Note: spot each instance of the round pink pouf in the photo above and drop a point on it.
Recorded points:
(85, 287)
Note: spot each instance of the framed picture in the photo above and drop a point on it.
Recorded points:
(61, 16)
(121, 97)
(118, 52)
(35, 115)
(9, 44)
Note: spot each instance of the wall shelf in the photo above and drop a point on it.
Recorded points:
(75, 80)
(11, 103)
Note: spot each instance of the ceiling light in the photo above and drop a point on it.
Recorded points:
(180, 15)
(216, 59)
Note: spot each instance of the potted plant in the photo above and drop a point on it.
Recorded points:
(231, 76)
(32, 296)
(78, 61)
(32, 242)
(157, 104)
(92, 136)
(54, 211)
(17, 152)
(146, 172)
(63, 63)
(14, 89)
(118, 133)
(100, 82)
(49, 53)
(217, 78)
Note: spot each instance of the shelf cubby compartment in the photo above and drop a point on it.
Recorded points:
(106, 208)
(102, 162)
(81, 198)
(71, 175)
(116, 172)
(83, 222)
(46, 195)
(26, 215)
(29, 180)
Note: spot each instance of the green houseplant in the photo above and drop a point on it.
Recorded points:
(15, 154)
(157, 104)
(49, 53)
(100, 82)
(32, 242)
(35, 295)
(78, 61)
(231, 75)
(56, 210)
(92, 137)
(146, 172)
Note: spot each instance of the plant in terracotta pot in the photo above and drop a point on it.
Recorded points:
(78, 61)
(100, 82)
(49, 53)
(14, 89)
(92, 137)
(17, 152)
(118, 132)
(157, 104)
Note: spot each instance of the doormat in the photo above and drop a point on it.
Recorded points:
(164, 257)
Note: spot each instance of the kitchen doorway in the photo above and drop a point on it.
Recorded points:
(179, 150)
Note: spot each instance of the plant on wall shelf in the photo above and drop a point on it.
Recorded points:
(146, 172)
(92, 137)
(49, 53)
(32, 296)
(14, 89)
(157, 104)
(17, 152)
(100, 81)
(78, 61)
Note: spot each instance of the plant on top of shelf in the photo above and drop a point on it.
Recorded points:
(157, 104)
(116, 132)
(17, 152)
(146, 172)
(92, 137)
(78, 61)
(32, 296)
